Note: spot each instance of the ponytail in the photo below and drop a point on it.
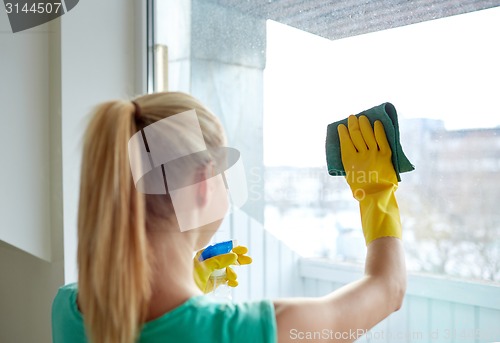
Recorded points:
(114, 261)
(114, 266)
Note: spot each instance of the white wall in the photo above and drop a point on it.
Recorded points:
(98, 54)
(24, 139)
(50, 78)
(31, 265)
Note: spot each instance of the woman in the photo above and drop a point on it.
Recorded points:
(136, 266)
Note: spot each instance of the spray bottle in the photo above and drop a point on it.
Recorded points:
(217, 281)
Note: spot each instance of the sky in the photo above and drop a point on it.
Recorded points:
(445, 69)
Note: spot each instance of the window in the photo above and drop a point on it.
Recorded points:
(276, 89)
(442, 76)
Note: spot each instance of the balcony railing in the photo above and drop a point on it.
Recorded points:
(436, 309)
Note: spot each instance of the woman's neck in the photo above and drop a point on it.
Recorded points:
(172, 279)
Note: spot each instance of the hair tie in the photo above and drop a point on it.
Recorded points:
(137, 111)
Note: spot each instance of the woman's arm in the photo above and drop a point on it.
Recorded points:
(346, 314)
(353, 309)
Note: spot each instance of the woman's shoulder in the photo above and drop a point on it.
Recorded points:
(66, 291)
(65, 296)
(67, 321)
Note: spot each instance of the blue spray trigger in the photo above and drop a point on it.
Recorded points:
(217, 249)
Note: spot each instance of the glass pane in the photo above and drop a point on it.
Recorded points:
(442, 76)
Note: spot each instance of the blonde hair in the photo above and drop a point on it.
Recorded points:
(114, 257)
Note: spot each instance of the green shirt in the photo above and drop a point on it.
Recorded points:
(199, 319)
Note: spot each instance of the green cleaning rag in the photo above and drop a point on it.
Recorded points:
(386, 113)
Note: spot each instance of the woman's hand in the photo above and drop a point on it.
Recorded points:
(203, 269)
(366, 156)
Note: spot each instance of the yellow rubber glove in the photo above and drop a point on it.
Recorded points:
(202, 270)
(366, 156)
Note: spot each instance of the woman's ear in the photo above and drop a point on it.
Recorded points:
(202, 193)
(201, 177)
